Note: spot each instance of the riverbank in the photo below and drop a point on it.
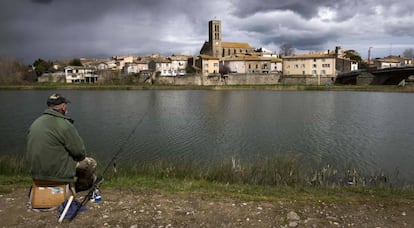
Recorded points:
(153, 202)
(277, 87)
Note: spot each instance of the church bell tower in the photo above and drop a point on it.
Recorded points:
(214, 36)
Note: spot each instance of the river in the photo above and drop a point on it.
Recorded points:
(371, 131)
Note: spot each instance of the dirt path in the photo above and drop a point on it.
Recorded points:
(126, 209)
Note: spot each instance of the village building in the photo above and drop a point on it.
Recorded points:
(161, 65)
(208, 65)
(345, 65)
(326, 64)
(247, 64)
(310, 65)
(392, 61)
(276, 65)
(80, 74)
(142, 65)
(102, 66)
(130, 68)
(122, 60)
(179, 64)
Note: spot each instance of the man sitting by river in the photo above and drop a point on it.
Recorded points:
(55, 152)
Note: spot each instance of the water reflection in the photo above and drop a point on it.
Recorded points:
(344, 129)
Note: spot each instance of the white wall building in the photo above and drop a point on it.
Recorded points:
(178, 65)
(161, 65)
(80, 74)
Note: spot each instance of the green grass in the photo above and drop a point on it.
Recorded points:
(279, 177)
(12, 165)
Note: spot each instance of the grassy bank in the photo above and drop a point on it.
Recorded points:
(273, 178)
(277, 87)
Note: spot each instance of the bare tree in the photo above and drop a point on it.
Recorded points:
(286, 50)
(12, 71)
(408, 53)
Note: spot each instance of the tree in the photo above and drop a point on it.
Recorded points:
(408, 53)
(286, 50)
(41, 66)
(13, 71)
(353, 55)
(75, 62)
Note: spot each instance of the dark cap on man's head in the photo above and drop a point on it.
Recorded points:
(56, 99)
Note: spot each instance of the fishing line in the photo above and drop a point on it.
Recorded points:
(113, 160)
(100, 178)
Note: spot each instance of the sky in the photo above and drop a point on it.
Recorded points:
(65, 29)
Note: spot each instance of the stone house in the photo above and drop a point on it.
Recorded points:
(310, 65)
(208, 65)
(345, 65)
(247, 63)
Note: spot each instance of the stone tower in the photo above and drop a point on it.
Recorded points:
(214, 38)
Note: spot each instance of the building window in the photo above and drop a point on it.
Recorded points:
(323, 72)
(313, 72)
(250, 66)
(296, 66)
(314, 60)
(215, 64)
(314, 65)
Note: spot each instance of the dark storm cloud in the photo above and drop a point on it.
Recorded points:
(42, 1)
(311, 25)
(306, 9)
(56, 29)
(66, 29)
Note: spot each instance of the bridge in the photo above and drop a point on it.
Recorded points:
(387, 76)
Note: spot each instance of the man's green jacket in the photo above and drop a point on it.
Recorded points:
(53, 147)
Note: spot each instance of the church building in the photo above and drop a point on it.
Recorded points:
(215, 47)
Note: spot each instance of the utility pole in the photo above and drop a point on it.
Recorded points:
(369, 59)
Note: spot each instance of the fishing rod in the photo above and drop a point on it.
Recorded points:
(99, 179)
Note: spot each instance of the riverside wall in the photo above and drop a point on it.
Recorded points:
(232, 79)
(307, 80)
(244, 79)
